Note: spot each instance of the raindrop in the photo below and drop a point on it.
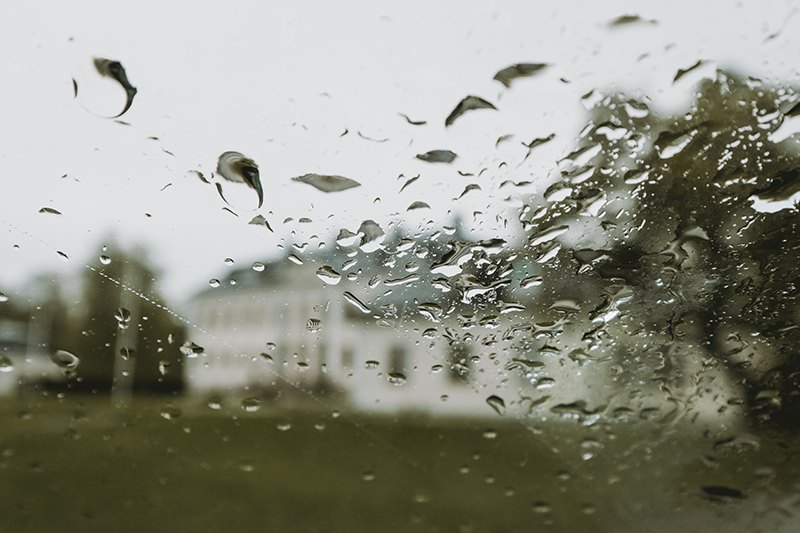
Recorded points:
(251, 405)
(346, 238)
(397, 379)
(520, 70)
(170, 412)
(286, 426)
(548, 235)
(435, 369)
(497, 403)
(490, 434)
(266, 357)
(258, 267)
(467, 104)
(371, 365)
(294, 259)
(430, 333)
(3, 298)
(541, 507)
(50, 210)
(328, 275)
(369, 475)
(237, 168)
(418, 205)
(127, 353)
(532, 281)
(313, 325)
(327, 183)
(191, 350)
(163, 367)
(6, 364)
(302, 366)
(356, 302)
(105, 259)
(215, 403)
(246, 465)
(438, 156)
(66, 361)
(123, 317)
(213, 282)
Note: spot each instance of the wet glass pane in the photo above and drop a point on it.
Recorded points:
(423, 267)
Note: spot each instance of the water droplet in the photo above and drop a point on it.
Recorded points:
(313, 325)
(246, 465)
(532, 281)
(251, 405)
(228, 261)
(497, 403)
(123, 317)
(105, 259)
(170, 412)
(372, 236)
(355, 301)
(213, 282)
(541, 507)
(327, 183)
(3, 297)
(294, 259)
(548, 235)
(430, 333)
(215, 403)
(369, 475)
(266, 357)
(271, 346)
(545, 383)
(435, 369)
(258, 267)
(191, 350)
(302, 366)
(163, 367)
(490, 434)
(328, 275)
(66, 361)
(371, 365)
(127, 353)
(397, 379)
(6, 364)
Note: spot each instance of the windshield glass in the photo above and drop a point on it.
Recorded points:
(372, 267)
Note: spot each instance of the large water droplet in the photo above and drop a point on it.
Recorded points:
(313, 325)
(328, 275)
(397, 379)
(170, 412)
(191, 350)
(123, 317)
(371, 365)
(6, 364)
(66, 361)
(358, 304)
(497, 403)
(251, 405)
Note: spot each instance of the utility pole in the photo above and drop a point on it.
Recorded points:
(129, 318)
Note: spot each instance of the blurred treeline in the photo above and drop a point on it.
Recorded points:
(87, 323)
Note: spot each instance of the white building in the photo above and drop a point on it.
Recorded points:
(284, 330)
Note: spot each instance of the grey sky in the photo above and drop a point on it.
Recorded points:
(280, 82)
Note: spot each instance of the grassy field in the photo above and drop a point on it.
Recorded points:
(80, 464)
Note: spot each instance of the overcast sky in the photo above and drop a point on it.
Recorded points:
(282, 81)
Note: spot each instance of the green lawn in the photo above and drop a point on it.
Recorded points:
(79, 464)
